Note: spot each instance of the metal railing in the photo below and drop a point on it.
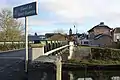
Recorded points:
(57, 49)
(53, 45)
(48, 44)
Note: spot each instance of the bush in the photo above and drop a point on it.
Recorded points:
(115, 45)
(105, 54)
(5, 47)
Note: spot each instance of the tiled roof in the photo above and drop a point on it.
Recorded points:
(99, 25)
(58, 37)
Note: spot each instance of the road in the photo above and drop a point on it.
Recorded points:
(12, 65)
(14, 54)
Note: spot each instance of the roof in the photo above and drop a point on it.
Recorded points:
(100, 25)
(117, 30)
(48, 35)
(57, 37)
(33, 37)
(82, 36)
(101, 35)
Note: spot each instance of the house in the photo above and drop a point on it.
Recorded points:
(116, 34)
(83, 39)
(48, 35)
(36, 38)
(102, 40)
(79, 39)
(33, 37)
(85, 42)
(100, 35)
(99, 29)
(58, 37)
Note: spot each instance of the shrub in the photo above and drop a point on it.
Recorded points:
(105, 53)
(5, 47)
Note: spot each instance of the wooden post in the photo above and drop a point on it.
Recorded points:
(58, 68)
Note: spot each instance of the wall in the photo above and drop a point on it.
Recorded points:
(91, 35)
(82, 42)
(115, 36)
(101, 30)
(103, 41)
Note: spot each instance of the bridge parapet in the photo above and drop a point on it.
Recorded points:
(50, 45)
(46, 47)
(51, 49)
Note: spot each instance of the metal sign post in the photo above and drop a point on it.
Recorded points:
(29, 9)
(26, 44)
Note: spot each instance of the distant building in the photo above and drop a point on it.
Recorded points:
(100, 35)
(58, 37)
(48, 35)
(102, 40)
(36, 38)
(70, 31)
(116, 35)
(99, 29)
(83, 39)
(85, 42)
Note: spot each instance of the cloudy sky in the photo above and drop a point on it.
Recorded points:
(63, 14)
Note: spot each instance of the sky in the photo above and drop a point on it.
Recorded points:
(63, 14)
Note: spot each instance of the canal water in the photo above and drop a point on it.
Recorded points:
(49, 73)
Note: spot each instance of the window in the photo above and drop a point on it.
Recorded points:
(86, 42)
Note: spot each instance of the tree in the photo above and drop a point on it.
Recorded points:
(10, 29)
(59, 31)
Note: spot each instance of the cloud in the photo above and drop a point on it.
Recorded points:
(38, 22)
(80, 10)
(85, 13)
(74, 11)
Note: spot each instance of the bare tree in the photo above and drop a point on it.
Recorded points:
(10, 28)
(59, 31)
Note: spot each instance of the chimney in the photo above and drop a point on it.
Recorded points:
(101, 23)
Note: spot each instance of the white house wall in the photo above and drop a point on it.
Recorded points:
(115, 36)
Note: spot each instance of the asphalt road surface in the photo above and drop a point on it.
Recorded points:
(12, 65)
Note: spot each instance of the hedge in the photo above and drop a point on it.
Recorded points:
(5, 47)
(105, 53)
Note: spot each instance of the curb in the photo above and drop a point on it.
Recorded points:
(12, 50)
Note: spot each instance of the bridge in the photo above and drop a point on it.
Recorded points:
(13, 60)
(53, 53)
